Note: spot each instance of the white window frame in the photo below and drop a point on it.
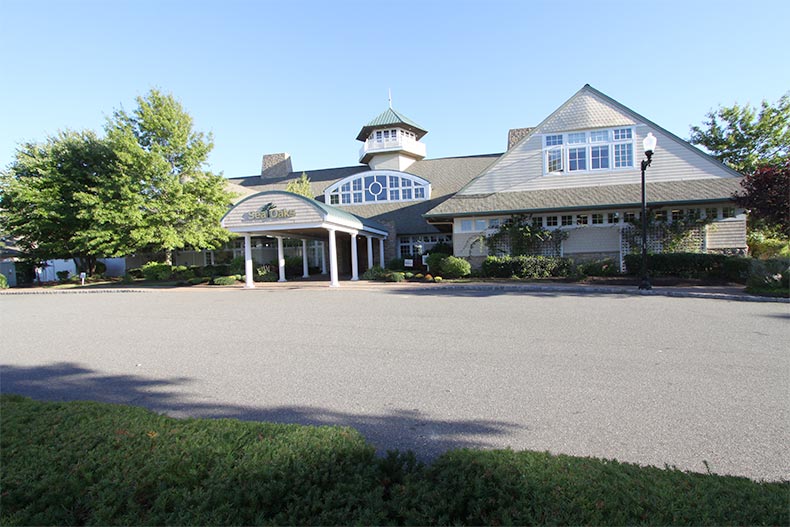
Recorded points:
(557, 146)
(352, 190)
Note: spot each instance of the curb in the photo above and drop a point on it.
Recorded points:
(617, 291)
(73, 292)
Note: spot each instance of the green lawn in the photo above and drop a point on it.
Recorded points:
(91, 463)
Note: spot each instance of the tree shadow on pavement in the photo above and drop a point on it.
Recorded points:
(399, 428)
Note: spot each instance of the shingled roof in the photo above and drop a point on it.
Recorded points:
(446, 176)
(580, 198)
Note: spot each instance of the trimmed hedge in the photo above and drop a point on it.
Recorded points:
(526, 266)
(155, 271)
(225, 280)
(100, 464)
(692, 265)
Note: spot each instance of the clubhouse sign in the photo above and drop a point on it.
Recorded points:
(269, 212)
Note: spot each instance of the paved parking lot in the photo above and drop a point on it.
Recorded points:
(651, 380)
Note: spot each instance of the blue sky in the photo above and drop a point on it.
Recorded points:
(303, 77)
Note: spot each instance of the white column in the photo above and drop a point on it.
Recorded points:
(323, 258)
(370, 251)
(280, 259)
(354, 263)
(381, 252)
(332, 259)
(248, 283)
(305, 273)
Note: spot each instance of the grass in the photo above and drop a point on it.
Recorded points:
(91, 463)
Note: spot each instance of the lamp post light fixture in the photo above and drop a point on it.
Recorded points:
(649, 145)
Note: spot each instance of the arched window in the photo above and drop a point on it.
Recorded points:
(378, 186)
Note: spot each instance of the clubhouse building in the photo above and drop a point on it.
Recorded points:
(578, 171)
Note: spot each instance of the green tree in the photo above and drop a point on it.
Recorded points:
(300, 186)
(744, 137)
(55, 196)
(181, 203)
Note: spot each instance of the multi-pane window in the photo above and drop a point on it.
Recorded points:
(481, 225)
(466, 225)
(581, 219)
(629, 217)
(599, 156)
(537, 221)
(372, 187)
(677, 214)
(712, 213)
(567, 219)
(597, 219)
(554, 160)
(661, 215)
(613, 217)
(623, 155)
(727, 212)
(577, 159)
(551, 221)
(413, 245)
(589, 151)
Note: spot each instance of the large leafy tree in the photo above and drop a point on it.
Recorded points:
(766, 193)
(744, 137)
(59, 199)
(160, 152)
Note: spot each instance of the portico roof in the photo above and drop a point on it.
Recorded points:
(279, 212)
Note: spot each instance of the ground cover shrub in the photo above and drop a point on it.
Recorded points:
(265, 273)
(526, 266)
(3, 281)
(182, 272)
(453, 267)
(769, 277)
(216, 270)
(375, 273)
(225, 280)
(395, 276)
(503, 487)
(156, 271)
(606, 267)
(198, 280)
(92, 463)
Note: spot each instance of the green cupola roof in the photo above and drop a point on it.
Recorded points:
(391, 118)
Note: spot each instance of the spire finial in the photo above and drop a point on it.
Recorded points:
(389, 91)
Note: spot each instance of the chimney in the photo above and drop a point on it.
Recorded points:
(276, 165)
(515, 135)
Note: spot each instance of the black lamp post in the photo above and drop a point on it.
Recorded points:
(649, 145)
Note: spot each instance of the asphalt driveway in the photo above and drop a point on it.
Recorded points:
(686, 382)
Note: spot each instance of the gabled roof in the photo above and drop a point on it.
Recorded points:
(391, 118)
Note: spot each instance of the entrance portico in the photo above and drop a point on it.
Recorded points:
(281, 214)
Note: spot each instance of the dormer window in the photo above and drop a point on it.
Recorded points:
(378, 186)
(578, 152)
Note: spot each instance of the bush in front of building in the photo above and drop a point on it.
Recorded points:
(225, 280)
(157, 271)
(606, 267)
(526, 267)
(63, 276)
(375, 273)
(454, 267)
(434, 261)
(215, 270)
(770, 277)
(396, 276)
(396, 264)
(701, 266)
(3, 281)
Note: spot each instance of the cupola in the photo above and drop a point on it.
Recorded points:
(391, 142)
